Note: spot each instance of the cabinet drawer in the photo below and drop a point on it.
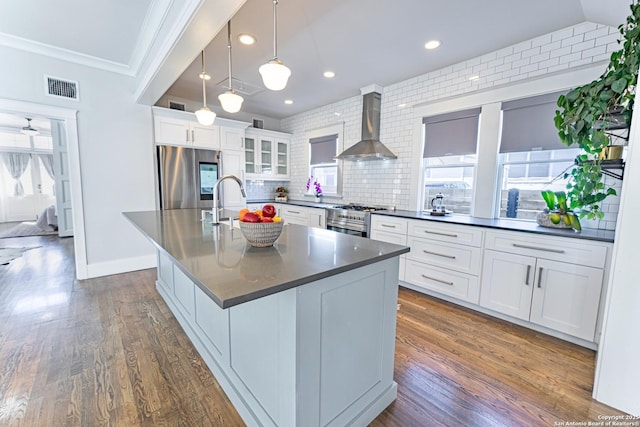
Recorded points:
(448, 233)
(383, 236)
(388, 224)
(574, 251)
(295, 212)
(458, 285)
(462, 258)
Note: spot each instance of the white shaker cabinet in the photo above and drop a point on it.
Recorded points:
(391, 230)
(266, 155)
(535, 281)
(311, 217)
(181, 128)
(444, 258)
(233, 161)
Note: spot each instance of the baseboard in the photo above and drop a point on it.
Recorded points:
(123, 265)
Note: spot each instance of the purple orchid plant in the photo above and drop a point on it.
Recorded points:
(313, 183)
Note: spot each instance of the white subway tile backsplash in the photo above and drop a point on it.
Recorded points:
(574, 40)
(387, 183)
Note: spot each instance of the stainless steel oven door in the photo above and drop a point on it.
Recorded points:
(339, 229)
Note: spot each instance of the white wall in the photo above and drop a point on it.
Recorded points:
(389, 182)
(214, 104)
(116, 156)
(618, 372)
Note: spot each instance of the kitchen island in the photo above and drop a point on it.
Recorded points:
(298, 334)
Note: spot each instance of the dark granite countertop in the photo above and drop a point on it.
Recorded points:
(505, 224)
(308, 203)
(223, 264)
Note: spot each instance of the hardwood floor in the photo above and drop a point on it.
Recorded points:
(107, 352)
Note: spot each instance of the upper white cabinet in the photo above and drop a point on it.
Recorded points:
(233, 161)
(266, 154)
(181, 128)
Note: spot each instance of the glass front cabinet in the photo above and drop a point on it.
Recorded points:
(266, 155)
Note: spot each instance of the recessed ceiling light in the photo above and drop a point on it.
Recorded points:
(329, 74)
(337, 114)
(432, 44)
(206, 76)
(476, 77)
(402, 105)
(288, 101)
(246, 38)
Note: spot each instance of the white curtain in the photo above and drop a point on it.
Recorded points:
(47, 162)
(16, 164)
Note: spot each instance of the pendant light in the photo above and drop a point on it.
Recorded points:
(274, 73)
(204, 115)
(230, 100)
(28, 129)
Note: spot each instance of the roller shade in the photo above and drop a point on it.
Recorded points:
(451, 134)
(323, 149)
(527, 124)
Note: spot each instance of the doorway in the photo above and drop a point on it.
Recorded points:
(63, 127)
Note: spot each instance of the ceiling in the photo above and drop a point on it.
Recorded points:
(363, 41)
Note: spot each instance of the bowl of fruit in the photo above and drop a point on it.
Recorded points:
(261, 227)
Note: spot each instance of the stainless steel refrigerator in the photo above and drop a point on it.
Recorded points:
(187, 176)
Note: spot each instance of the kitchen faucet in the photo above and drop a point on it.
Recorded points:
(215, 212)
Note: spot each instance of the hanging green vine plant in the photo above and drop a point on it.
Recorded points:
(588, 114)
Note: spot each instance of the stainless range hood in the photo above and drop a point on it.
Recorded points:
(370, 147)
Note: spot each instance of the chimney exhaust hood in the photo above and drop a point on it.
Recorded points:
(370, 147)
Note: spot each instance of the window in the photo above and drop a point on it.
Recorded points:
(531, 158)
(323, 166)
(450, 142)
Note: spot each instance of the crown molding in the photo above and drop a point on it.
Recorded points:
(32, 46)
(151, 28)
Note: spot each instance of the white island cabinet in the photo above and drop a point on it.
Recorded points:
(298, 334)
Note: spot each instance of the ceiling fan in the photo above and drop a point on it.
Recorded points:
(28, 129)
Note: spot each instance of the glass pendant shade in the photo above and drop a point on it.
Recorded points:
(274, 74)
(205, 116)
(231, 102)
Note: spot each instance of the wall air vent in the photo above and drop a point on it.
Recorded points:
(173, 105)
(243, 88)
(61, 88)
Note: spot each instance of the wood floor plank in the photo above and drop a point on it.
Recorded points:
(108, 352)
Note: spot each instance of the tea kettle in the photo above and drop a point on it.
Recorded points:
(436, 203)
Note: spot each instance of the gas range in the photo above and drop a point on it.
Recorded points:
(351, 219)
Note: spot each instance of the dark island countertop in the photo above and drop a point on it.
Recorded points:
(505, 224)
(223, 264)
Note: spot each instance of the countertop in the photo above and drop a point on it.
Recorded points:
(502, 224)
(505, 224)
(223, 264)
(308, 203)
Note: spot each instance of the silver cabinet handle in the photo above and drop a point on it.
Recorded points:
(526, 281)
(294, 212)
(539, 277)
(193, 136)
(555, 251)
(441, 234)
(437, 254)
(387, 225)
(438, 280)
(241, 142)
(186, 135)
